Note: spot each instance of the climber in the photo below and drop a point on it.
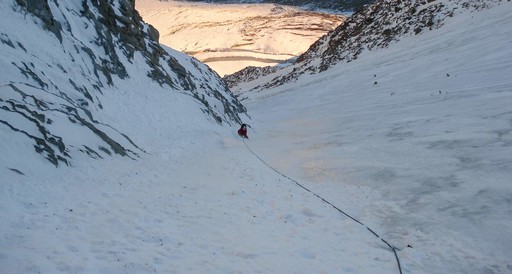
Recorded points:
(243, 131)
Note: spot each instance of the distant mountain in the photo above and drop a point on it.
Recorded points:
(374, 26)
(334, 5)
(230, 37)
(72, 70)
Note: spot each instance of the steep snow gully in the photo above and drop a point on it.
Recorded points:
(393, 248)
(413, 139)
(410, 144)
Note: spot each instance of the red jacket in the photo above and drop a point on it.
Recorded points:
(243, 132)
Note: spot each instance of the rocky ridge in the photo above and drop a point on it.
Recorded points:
(373, 26)
(83, 50)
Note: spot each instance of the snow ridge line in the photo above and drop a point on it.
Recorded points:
(393, 248)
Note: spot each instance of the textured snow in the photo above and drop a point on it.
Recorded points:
(414, 141)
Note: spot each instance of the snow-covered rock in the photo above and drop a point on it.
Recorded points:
(374, 26)
(68, 67)
(413, 140)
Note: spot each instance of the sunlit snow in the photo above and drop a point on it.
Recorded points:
(230, 37)
(414, 141)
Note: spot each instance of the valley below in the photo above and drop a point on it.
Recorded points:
(230, 37)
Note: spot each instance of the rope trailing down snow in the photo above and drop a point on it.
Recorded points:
(393, 248)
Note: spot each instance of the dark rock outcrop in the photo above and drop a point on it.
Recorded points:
(96, 45)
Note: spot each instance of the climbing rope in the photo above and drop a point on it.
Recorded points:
(393, 248)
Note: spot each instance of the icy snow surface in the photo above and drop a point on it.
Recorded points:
(414, 141)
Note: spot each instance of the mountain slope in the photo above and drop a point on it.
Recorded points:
(334, 5)
(413, 139)
(231, 37)
(375, 26)
(75, 65)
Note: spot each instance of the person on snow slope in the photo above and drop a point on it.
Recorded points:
(243, 131)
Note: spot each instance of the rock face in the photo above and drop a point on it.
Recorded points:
(373, 26)
(63, 57)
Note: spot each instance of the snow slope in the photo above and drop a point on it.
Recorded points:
(414, 141)
(71, 75)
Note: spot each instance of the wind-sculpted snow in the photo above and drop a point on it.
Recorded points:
(66, 64)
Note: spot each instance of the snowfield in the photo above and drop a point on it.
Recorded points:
(230, 37)
(414, 141)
